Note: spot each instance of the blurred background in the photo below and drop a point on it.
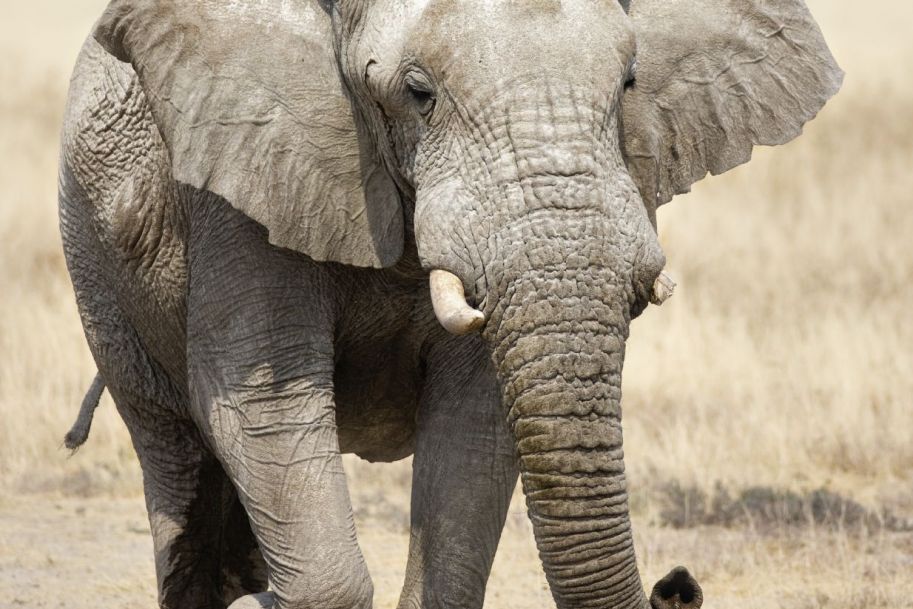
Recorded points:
(768, 406)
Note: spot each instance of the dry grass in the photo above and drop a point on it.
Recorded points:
(783, 362)
(785, 359)
(44, 362)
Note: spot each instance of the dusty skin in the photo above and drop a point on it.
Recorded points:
(783, 362)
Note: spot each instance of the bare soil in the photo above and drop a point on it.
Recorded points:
(80, 553)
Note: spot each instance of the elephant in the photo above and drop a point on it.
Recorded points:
(303, 228)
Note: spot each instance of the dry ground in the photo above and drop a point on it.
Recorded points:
(783, 366)
(83, 552)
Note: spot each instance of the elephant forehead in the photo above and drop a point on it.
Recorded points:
(292, 15)
(484, 41)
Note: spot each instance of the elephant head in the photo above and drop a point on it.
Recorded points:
(523, 147)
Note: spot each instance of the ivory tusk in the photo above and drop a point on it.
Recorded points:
(449, 302)
(663, 288)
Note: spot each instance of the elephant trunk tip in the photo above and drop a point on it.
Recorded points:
(450, 307)
(677, 590)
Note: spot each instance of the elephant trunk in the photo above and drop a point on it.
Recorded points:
(560, 264)
(558, 345)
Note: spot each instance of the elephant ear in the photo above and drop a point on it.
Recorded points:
(249, 101)
(715, 78)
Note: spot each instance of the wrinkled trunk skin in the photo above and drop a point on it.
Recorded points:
(558, 336)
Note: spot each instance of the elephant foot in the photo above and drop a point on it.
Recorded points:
(262, 600)
(677, 590)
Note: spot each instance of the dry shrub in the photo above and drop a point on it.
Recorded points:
(767, 510)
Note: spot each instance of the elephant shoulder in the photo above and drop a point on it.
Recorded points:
(110, 145)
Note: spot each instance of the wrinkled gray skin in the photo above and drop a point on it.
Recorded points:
(252, 195)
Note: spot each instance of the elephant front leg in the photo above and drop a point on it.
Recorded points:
(282, 454)
(464, 474)
(260, 364)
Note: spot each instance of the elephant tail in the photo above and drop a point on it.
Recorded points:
(79, 433)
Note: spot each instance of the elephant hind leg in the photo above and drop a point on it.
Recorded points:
(205, 553)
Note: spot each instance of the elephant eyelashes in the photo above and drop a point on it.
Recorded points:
(421, 94)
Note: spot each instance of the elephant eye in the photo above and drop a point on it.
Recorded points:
(631, 75)
(421, 93)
